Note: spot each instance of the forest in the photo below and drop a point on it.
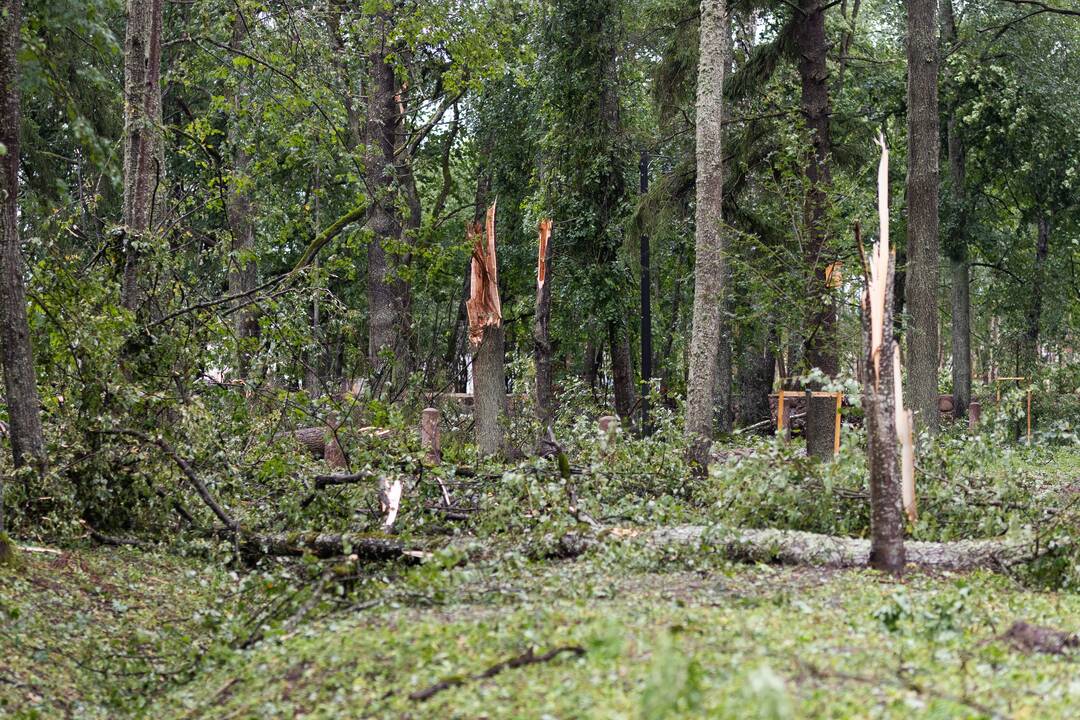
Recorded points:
(540, 359)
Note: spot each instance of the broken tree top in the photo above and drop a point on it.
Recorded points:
(483, 305)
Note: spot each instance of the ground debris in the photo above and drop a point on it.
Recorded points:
(1035, 638)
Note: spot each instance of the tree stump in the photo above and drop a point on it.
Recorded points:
(429, 435)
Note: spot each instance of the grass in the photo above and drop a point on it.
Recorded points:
(716, 642)
(666, 633)
(93, 633)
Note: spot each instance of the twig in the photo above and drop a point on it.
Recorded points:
(526, 658)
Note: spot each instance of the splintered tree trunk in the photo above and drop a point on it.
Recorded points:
(545, 401)
(710, 263)
(821, 342)
(622, 376)
(16, 352)
(144, 153)
(957, 245)
(243, 273)
(879, 396)
(387, 293)
(921, 287)
(487, 337)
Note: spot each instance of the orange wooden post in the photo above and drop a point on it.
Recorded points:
(1029, 415)
(836, 436)
(780, 413)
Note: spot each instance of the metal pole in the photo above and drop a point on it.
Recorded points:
(646, 308)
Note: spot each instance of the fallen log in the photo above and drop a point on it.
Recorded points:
(794, 547)
(326, 545)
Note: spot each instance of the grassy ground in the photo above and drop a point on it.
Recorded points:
(92, 633)
(113, 633)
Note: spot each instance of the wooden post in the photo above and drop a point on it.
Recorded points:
(836, 435)
(429, 435)
(974, 408)
(1029, 416)
(780, 413)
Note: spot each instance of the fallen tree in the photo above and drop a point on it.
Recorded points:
(325, 545)
(794, 547)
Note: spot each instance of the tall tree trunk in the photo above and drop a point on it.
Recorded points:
(622, 376)
(957, 245)
(820, 338)
(16, 352)
(646, 306)
(922, 210)
(545, 400)
(387, 292)
(243, 272)
(709, 245)
(1038, 282)
(144, 149)
(755, 376)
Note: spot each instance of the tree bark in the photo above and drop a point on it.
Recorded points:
(886, 525)
(880, 381)
(243, 272)
(387, 293)
(622, 376)
(545, 401)
(709, 244)
(921, 280)
(487, 335)
(16, 351)
(794, 547)
(1038, 282)
(957, 244)
(755, 377)
(820, 338)
(144, 149)
(489, 391)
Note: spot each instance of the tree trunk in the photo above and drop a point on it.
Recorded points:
(709, 244)
(880, 380)
(922, 211)
(957, 244)
(1038, 282)
(622, 376)
(821, 343)
(722, 392)
(646, 305)
(487, 335)
(243, 272)
(387, 293)
(545, 401)
(144, 150)
(489, 391)
(16, 351)
(755, 377)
